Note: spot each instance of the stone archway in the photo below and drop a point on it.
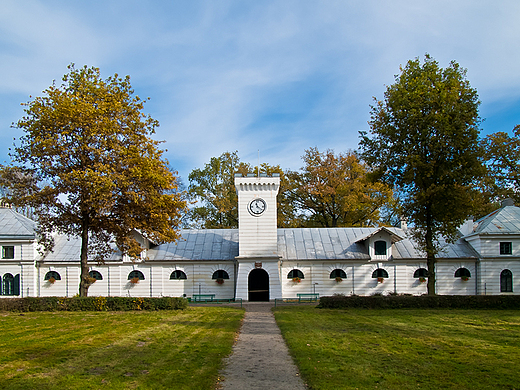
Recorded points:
(258, 285)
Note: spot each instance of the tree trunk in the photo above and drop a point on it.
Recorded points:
(430, 257)
(83, 284)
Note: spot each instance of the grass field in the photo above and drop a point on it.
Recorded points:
(180, 349)
(403, 349)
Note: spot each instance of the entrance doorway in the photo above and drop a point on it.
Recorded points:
(258, 285)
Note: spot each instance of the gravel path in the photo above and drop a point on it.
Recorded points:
(260, 358)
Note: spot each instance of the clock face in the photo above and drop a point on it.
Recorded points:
(257, 206)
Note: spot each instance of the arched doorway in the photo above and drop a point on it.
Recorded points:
(258, 285)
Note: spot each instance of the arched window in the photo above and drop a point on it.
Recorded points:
(178, 274)
(420, 273)
(338, 273)
(506, 281)
(462, 273)
(380, 273)
(295, 273)
(96, 275)
(9, 285)
(220, 274)
(52, 275)
(135, 274)
(380, 248)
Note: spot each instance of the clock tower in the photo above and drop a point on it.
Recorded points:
(258, 240)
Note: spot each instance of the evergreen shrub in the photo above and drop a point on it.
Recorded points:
(423, 301)
(92, 304)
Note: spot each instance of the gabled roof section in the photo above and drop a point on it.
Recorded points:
(14, 226)
(505, 220)
(393, 235)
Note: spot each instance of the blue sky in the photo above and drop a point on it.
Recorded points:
(274, 76)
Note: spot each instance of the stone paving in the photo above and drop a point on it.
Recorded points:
(260, 358)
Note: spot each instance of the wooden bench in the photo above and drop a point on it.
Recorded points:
(203, 297)
(310, 297)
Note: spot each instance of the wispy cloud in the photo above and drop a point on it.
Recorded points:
(279, 76)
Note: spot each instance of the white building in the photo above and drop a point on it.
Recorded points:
(257, 261)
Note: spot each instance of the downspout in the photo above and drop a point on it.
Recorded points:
(476, 277)
(235, 268)
(20, 287)
(38, 282)
(353, 282)
(21, 280)
(395, 279)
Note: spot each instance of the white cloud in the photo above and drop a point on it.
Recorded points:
(281, 76)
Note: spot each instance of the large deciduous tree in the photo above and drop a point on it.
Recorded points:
(424, 139)
(503, 162)
(88, 167)
(334, 190)
(213, 189)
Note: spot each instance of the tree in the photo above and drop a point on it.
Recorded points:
(424, 139)
(88, 167)
(503, 162)
(334, 190)
(214, 191)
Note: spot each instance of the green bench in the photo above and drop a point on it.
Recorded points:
(203, 297)
(310, 297)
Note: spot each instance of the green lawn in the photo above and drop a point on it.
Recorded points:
(180, 349)
(403, 349)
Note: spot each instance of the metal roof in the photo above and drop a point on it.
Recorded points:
(203, 244)
(505, 220)
(68, 249)
(293, 244)
(407, 249)
(15, 226)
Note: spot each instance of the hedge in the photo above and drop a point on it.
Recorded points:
(91, 304)
(423, 301)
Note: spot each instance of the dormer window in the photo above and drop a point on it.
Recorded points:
(380, 248)
(506, 248)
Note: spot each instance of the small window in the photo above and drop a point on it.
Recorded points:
(420, 273)
(178, 275)
(96, 275)
(338, 273)
(506, 248)
(295, 273)
(462, 273)
(380, 273)
(136, 274)
(380, 248)
(220, 274)
(8, 252)
(52, 275)
(506, 281)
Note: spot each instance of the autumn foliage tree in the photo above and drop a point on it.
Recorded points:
(87, 166)
(334, 190)
(424, 140)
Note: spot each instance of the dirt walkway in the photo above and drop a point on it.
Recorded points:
(260, 358)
